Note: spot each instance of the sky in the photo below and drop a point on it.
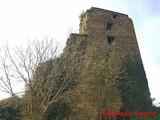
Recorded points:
(23, 20)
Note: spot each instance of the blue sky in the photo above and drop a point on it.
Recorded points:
(21, 20)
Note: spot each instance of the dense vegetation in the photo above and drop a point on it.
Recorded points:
(83, 80)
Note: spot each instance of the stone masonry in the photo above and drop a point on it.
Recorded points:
(100, 30)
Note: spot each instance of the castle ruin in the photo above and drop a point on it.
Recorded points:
(112, 76)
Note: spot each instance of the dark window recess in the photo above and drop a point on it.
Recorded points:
(109, 25)
(114, 16)
(110, 39)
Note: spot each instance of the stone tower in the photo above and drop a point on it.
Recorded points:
(107, 39)
(113, 26)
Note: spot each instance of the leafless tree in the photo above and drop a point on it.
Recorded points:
(114, 71)
(111, 69)
(36, 67)
(19, 64)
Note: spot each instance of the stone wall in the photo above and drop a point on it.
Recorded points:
(95, 20)
(106, 38)
(119, 27)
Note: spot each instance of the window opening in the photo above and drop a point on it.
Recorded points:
(109, 25)
(110, 39)
(114, 16)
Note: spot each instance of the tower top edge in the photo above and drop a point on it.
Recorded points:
(101, 9)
